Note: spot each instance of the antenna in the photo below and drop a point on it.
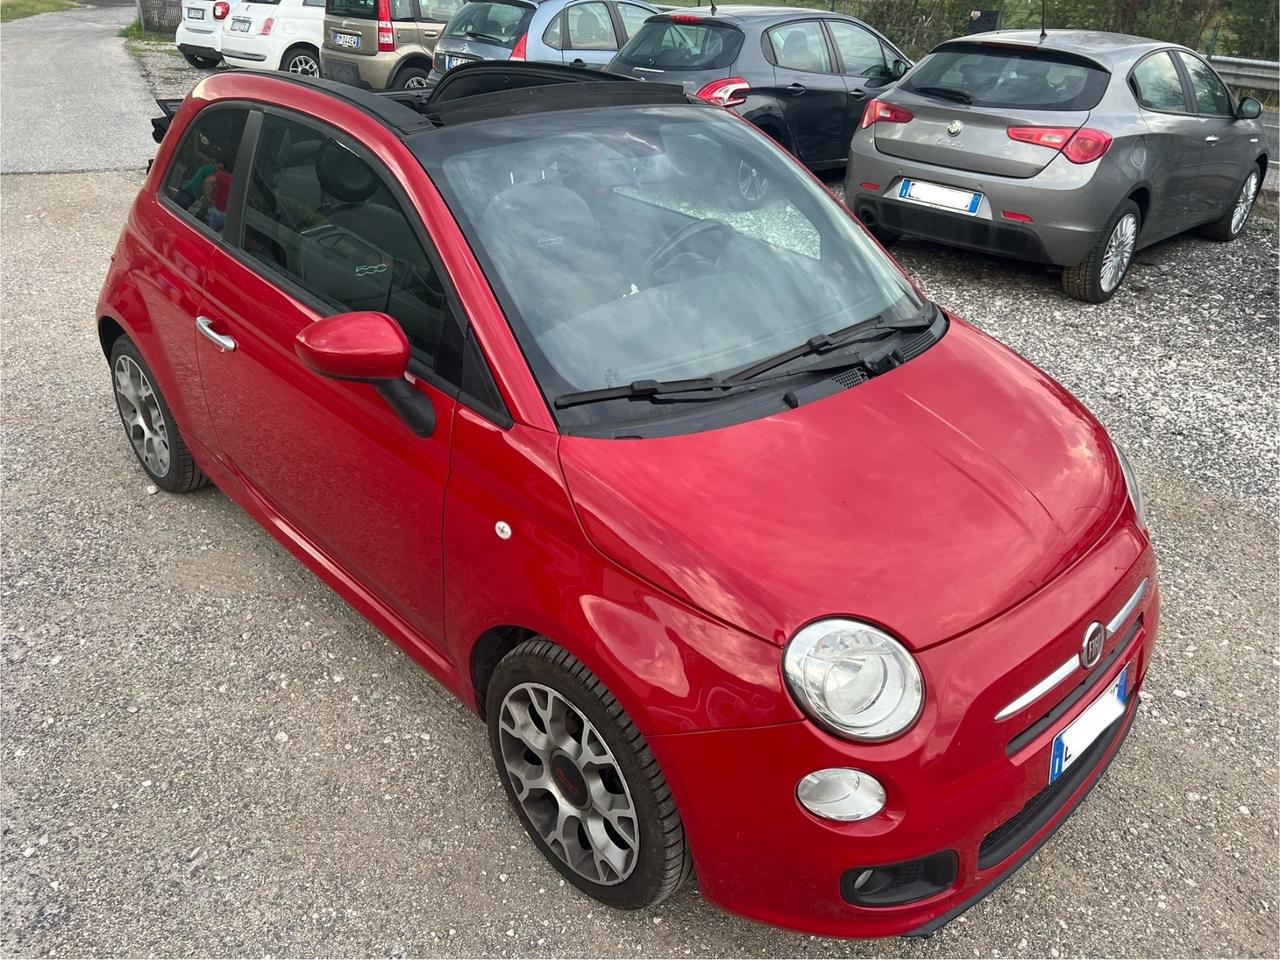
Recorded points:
(1044, 35)
(713, 7)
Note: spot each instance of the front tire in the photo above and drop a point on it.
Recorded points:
(1097, 279)
(582, 779)
(149, 423)
(301, 60)
(1232, 223)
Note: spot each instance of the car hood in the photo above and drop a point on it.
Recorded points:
(927, 500)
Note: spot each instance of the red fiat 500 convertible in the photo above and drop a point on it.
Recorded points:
(755, 561)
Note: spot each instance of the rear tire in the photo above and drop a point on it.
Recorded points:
(1232, 223)
(302, 60)
(200, 63)
(1097, 279)
(411, 78)
(558, 736)
(149, 424)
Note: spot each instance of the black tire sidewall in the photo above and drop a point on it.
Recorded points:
(405, 75)
(295, 51)
(171, 481)
(644, 884)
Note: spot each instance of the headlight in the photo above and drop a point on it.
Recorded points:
(1131, 482)
(854, 679)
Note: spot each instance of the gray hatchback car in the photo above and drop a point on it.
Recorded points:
(1074, 149)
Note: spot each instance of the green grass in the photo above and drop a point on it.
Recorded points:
(17, 9)
(134, 31)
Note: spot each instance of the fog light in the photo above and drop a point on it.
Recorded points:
(841, 794)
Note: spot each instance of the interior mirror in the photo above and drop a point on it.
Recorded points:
(1250, 109)
(899, 69)
(367, 347)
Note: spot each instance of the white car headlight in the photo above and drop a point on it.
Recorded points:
(854, 679)
(1131, 482)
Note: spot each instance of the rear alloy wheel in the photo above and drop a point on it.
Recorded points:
(301, 60)
(149, 424)
(1231, 224)
(413, 78)
(1098, 278)
(582, 779)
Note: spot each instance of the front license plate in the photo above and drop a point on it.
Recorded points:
(349, 40)
(1072, 742)
(937, 195)
(241, 26)
(195, 13)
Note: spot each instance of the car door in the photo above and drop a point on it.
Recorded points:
(324, 230)
(1226, 154)
(631, 18)
(1174, 143)
(865, 65)
(589, 38)
(811, 95)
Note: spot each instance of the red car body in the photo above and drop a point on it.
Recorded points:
(972, 507)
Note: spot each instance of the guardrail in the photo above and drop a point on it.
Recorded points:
(1252, 74)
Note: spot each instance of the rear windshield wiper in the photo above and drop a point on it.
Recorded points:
(474, 35)
(946, 93)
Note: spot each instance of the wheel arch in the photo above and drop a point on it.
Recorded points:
(1261, 162)
(299, 45)
(1141, 195)
(109, 331)
(487, 652)
(420, 60)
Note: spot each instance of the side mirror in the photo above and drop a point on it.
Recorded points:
(899, 69)
(370, 348)
(1250, 109)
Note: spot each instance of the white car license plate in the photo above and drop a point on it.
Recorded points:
(1072, 742)
(937, 195)
(195, 13)
(351, 40)
(241, 26)
(450, 61)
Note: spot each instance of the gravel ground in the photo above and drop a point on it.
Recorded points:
(165, 71)
(205, 752)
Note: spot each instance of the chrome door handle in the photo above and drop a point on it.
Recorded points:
(205, 326)
(1211, 139)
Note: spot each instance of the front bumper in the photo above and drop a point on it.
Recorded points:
(1069, 204)
(961, 787)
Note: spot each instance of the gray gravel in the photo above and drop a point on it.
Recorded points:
(205, 752)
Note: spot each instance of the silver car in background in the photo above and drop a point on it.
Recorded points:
(1075, 149)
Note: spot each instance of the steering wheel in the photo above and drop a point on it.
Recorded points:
(695, 239)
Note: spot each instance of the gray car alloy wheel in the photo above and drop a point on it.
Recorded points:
(303, 63)
(1244, 203)
(1119, 251)
(416, 83)
(140, 410)
(568, 783)
(752, 184)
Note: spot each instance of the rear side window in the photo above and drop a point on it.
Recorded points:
(320, 216)
(994, 76)
(1157, 84)
(1211, 96)
(401, 10)
(633, 19)
(199, 176)
(800, 46)
(500, 23)
(668, 45)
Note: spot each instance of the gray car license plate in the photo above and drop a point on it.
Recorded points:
(240, 26)
(349, 40)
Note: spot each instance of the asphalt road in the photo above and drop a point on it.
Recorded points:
(205, 752)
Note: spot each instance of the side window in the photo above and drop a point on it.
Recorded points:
(551, 35)
(590, 27)
(403, 10)
(800, 46)
(861, 52)
(633, 19)
(313, 3)
(318, 214)
(1211, 96)
(1157, 85)
(199, 176)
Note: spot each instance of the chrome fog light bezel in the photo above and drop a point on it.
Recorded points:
(841, 794)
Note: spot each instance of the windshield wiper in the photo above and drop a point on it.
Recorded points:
(946, 93)
(474, 35)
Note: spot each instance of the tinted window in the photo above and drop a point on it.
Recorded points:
(572, 215)
(1157, 84)
(633, 18)
(500, 23)
(440, 10)
(199, 176)
(368, 9)
(1001, 77)
(861, 52)
(590, 27)
(667, 45)
(320, 215)
(1211, 96)
(800, 46)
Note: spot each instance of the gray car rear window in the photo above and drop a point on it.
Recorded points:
(500, 23)
(1007, 76)
(669, 45)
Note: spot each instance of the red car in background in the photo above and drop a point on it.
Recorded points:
(755, 561)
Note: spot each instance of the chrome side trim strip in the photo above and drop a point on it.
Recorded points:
(1068, 668)
(1126, 611)
(1041, 688)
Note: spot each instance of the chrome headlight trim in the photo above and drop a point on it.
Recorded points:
(839, 659)
(1131, 484)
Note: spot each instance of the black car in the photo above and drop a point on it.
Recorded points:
(802, 76)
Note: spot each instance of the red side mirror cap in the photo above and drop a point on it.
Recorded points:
(354, 346)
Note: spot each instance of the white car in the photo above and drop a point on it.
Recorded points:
(199, 34)
(280, 35)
